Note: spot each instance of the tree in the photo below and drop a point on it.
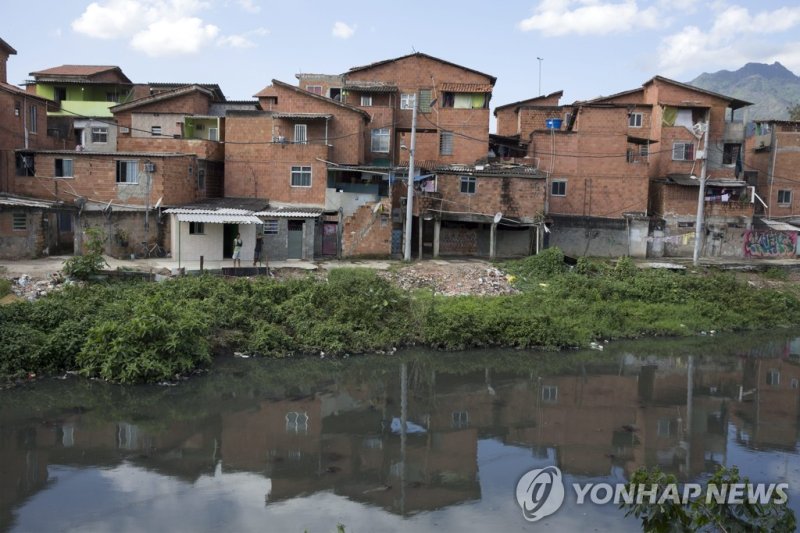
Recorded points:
(706, 514)
(794, 112)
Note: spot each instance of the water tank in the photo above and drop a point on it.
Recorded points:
(553, 123)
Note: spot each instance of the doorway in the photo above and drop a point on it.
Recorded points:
(229, 232)
(295, 250)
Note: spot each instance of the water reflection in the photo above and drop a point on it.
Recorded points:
(428, 440)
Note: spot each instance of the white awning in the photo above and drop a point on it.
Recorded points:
(218, 218)
(779, 226)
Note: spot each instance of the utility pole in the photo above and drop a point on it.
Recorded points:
(540, 74)
(701, 196)
(410, 189)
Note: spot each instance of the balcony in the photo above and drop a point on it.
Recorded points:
(735, 208)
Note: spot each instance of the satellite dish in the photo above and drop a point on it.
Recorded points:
(497, 217)
(158, 203)
(699, 129)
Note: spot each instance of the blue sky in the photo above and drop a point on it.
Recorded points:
(589, 47)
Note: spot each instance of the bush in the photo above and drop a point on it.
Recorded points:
(5, 287)
(90, 263)
(545, 264)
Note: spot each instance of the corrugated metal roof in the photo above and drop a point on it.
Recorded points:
(367, 87)
(290, 212)
(304, 116)
(779, 226)
(688, 181)
(26, 202)
(223, 211)
(467, 87)
(218, 218)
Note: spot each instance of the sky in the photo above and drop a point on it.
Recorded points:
(587, 48)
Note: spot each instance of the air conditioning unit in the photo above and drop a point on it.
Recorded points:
(124, 129)
(149, 167)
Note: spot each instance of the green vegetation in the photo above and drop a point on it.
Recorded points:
(91, 262)
(5, 287)
(144, 332)
(706, 514)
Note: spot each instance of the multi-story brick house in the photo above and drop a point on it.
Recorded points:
(83, 96)
(615, 163)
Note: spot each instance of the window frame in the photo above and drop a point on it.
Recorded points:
(197, 228)
(784, 193)
(550, 393)
(730, 153)
(127, 163)
(16, 216)
(366, 98)
(33, 115)
(156, 131)
(468, 184)
(270, 227)
(201, 179)
(62, 173)
(314, 89)
(562, 187)
(300, 139)
(97, 133)
(379, 136)
(635, 120)
(446, 148)
(686, 156)
(300, 171)
(407, 100)
(425, 98)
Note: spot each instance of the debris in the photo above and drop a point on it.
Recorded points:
(453, 279)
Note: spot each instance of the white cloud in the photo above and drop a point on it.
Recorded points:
(155, 27)
(736, 37)
(249, 6)
(342, 30)
(589, 17)
(177, 37)
(242, 40)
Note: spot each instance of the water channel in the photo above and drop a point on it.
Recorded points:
(294, 445)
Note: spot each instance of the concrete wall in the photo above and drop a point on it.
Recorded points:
(123, 230)
(596, 237)
(210, 244)
(276, 247)
(470, 239)
(22, 244)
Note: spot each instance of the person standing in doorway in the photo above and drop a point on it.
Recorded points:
(237, 251)
(257, 250)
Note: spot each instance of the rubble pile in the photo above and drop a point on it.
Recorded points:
(27, 288)
(453, 279)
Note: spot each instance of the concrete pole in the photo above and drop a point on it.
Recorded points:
(493, 241)
(410, 189)
(701, 197)
(420, 237)
(437, 227)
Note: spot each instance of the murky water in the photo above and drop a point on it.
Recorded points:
(309, 444)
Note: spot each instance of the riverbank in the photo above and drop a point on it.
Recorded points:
(149, 332)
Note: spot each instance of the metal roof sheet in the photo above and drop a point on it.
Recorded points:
(467, 87)
(223, 211)
(218, 218)
(366, 87)
(779, 226)
(303, 116)
(289, 212)
(26, 202)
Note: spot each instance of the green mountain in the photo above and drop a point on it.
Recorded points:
(772, 88)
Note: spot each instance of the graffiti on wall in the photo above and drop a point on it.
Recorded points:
(769, 243)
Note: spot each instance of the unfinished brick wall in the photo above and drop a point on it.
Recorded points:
(458, 240)
(368, 231)
(513, 196)
(203, 149)
(22, 244)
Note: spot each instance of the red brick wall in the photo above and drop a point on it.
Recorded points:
(95, 179)
(514, 197)
(368, 232)
(203, 149)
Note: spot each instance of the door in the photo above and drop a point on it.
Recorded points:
(295, 239)
(329, 239)
(229, 232)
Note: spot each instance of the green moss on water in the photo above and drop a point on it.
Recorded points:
(146, 332)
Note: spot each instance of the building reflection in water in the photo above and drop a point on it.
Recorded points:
(406, 440)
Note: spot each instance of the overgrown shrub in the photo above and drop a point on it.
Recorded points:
(92, 261)
(5, 287)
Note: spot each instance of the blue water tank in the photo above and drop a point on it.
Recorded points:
(553, 123)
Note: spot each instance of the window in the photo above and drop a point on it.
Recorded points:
(99, 135)
(17, 109)
(155, 131)
(59, 94)
(567, 117)
(33, 115)
(270, 227)
(685, 224)
(425, 97)
(558, 188)
(644, 150)
(664, 428)
(213, 134)
(296, 422)
(301, 177)
(366, 100)
(335, 93)
(446, 143)
(730, 153)
(63, 168)
(19, 221)
(468, 184)
(112, 97)
(635, 120)
(550, 393)
(25, 165)
(197, 228)
(682, 151)
(316, 89)
(785, 197)
(774, 377)
(201, 178)
(300, 134)
(795, 383)
(460, 419)
(380, 140)
(407, 101)
(128, 172)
